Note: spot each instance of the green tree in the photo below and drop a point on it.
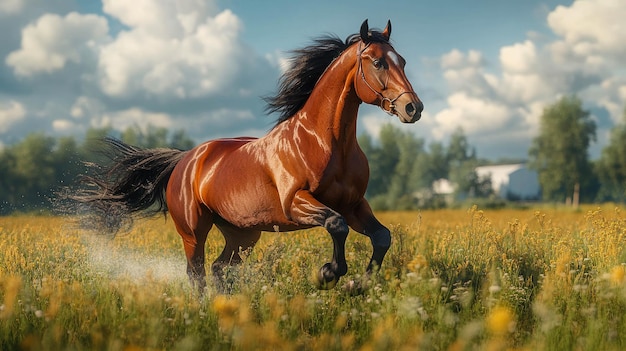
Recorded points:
(611, 167)
(66, 161)
(154, 137)
(382, 158)
(437, 162)
(429, 166)
(459, 150)
(404, 180)
(559, 152)
(468, 183)
(392, 161)
(8, 180)
(372, 153)
(33, 170)
(389, 154)
(30, 173)
(462, 164)
(181, 141)
(402, 170)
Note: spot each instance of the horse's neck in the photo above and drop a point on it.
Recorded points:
(333, 105)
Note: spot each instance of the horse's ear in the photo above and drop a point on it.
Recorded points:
(387, 32)
(365, 31)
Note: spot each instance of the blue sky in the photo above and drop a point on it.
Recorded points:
(488, 67)
(426, 28)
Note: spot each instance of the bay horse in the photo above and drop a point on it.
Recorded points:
(307, 171)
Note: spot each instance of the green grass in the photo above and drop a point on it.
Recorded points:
(551, 279)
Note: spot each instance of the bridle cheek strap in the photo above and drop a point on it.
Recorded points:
(392, 105)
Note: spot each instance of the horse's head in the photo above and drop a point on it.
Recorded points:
(380, 78)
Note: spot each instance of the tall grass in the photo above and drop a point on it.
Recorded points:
(544, 279)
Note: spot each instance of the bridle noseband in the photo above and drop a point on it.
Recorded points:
(392, 105)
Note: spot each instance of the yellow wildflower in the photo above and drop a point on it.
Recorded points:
(417, 263)
(12, 286)
(224, 306)
(501, 320)
(618, 275)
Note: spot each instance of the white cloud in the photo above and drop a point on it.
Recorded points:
(279, 60)
(171, 49)
(519, 58)
(49, 43)
(182, 61)
(586, 59)
(169, 19)
(592, 27)
(474, 115)
(123, 119)
(465, 72)
(592, 44)
(373, 123)
(10, 113)
(610, 94)
(453, 59)
(522, 89)
(457, 59)
(63, 125)
(10, 7)
(85, 107)
(230, 115)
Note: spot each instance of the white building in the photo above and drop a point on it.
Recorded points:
(513, 182)
(443, 187)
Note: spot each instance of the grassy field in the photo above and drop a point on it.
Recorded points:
(540, 279)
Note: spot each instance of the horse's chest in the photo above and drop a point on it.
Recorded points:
(343, 181)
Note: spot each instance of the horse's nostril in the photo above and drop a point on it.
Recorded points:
(420, 107)
(410, 109)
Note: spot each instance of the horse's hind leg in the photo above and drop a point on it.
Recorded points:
(193, 227)
(194, 250)
(237, 240)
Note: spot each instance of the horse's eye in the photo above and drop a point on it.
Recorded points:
(377, 64)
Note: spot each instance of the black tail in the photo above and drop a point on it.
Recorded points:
(133, 183)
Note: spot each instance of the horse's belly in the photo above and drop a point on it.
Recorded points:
(264, 219)
(250, 205)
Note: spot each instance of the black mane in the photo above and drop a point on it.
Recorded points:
(306, 67)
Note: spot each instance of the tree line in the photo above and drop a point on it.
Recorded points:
(403, 167)
(35, 169)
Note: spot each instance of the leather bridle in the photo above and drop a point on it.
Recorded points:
(392, 105)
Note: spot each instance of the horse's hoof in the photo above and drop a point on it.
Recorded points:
(326, 279)
(354, 288)
(326, 285)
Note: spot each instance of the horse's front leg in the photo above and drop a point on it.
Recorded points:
(309, 211)
(363, 221)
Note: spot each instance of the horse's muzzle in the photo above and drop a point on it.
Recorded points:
(413, 111)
